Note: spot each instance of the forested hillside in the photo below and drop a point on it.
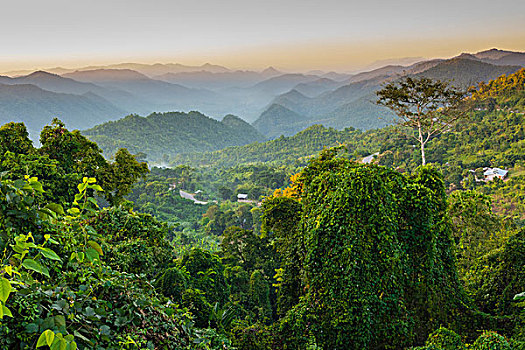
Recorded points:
(492, 134)
(464, 72)
(161, 134)
(278, 120)
(292, 150)
(351, 103)
(99, 254)
(492, 130)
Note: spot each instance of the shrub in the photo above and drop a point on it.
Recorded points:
(444, 339)
(491, 341)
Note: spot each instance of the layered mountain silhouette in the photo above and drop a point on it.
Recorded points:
(150, 70)
(352, 102)
(276, 102)
(278, 120)
(37, 107)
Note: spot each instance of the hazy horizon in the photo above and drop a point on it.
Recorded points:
(290, 35)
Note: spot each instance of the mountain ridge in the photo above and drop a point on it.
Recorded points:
(351, 104)
(170, 133)
(36, 107)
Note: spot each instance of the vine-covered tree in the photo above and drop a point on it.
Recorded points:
(15, 138)
(427, 106)
(373, 257)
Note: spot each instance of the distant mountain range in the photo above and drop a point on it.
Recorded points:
(37, 107)
(275, 102)
(352, 102)
(160, 135)
(147, 69)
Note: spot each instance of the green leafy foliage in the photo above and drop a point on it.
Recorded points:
(426, 106)
(444, 339)
(363, 227)
(293, 150)
(64, 158)
(349, 256)
(499, 276)
(491, 341)
(57, 291)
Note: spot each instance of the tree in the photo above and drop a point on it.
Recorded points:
(74, 152)
(430, 107)
(374, 255)
(78, 155)
(15, 138)
(118, 177)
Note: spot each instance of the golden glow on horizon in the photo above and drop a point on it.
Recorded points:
(338, 56)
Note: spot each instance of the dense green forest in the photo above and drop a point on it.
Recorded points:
(158, 195)
(291, 150)
(160, 134)
(105, 254)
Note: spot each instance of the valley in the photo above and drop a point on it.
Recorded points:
(169, 206)
(274, 102)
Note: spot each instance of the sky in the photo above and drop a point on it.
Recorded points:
(252, 34)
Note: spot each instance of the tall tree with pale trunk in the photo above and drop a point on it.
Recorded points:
(430, 107)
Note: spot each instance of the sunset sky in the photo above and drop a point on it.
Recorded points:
(247, 34)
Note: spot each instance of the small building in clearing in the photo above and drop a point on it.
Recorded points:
(491, 173)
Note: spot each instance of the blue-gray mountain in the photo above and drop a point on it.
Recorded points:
(88, 96)
(352, 102)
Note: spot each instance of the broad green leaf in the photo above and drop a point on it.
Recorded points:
(19, 247)
(105, 330)
(73, 211)
(82, 187)
(60, 320)
(96, 246)
(90, 311)
(48, 253)
(92, 254)
(93, 201)
(6, 311)
(30, 264)
(37, 186)
(79, 335)
(59, 343)
(97, 188)
(31, 328)
(5, 289)
(20, 183)
(57, 208)
(47, 213)
(46, 338)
